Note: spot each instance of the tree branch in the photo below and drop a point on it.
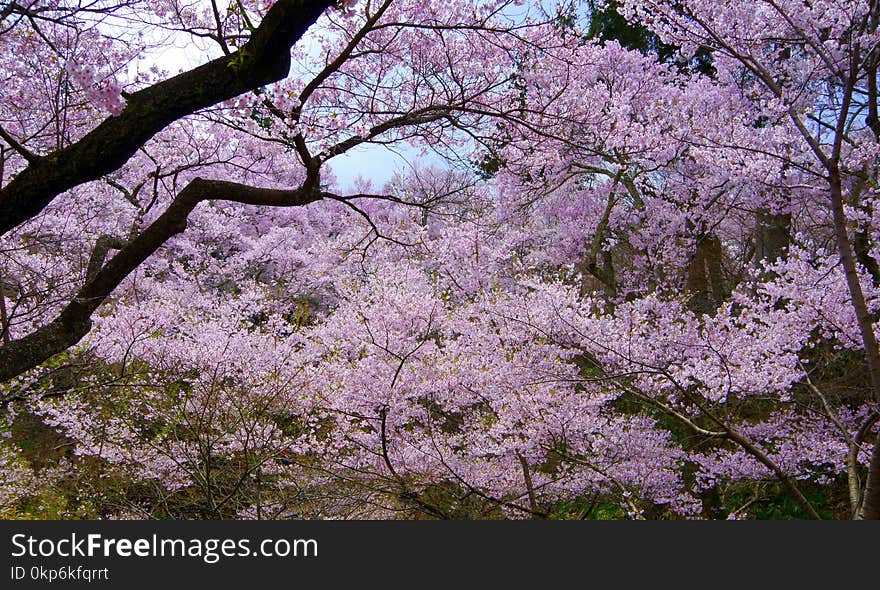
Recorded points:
(265, 58)
(15, 145)
(74, 321)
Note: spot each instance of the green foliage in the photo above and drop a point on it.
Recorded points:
(771, 501)
(606, 24)
(587, 508)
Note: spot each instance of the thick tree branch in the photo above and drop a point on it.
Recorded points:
(265, 58)
(74, 321)
(103, 245)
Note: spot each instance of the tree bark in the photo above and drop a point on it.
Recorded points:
(704, 279)
(772, 235)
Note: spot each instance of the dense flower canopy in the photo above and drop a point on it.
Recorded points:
(631, 272)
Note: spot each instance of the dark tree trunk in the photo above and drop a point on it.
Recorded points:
(705, 278)
(772, 236)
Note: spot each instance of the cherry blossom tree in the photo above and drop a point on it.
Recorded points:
(815, 66)
(643, 283)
